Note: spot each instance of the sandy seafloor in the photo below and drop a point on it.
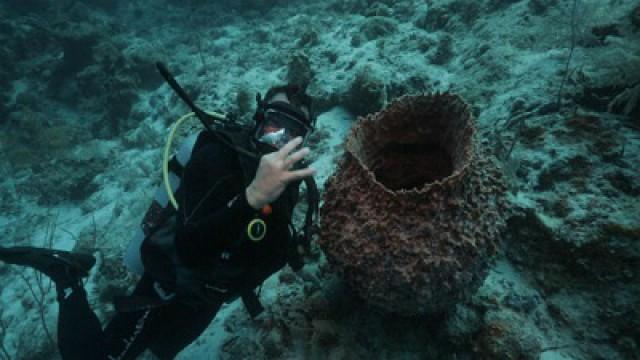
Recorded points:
(84, 117)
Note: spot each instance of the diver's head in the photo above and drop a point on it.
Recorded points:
(284, 114)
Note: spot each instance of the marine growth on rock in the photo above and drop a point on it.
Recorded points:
(415, 210)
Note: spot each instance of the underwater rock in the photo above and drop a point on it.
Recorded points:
(299, 70)
(447, 15)
(540, 7)
(604, 88)
(21, 39)
(462, 323)
(243, 102)
(436, 18)
(577, 167)
(78, 41)
(140, 63)
(72, 180)
(107, 5)
(624, 182)
(79, 12)
(4, 109)
(503, 334)
(357, 6)
(601, 32)
(366, 93)
(635, 16)
(97, 71)
(466, 11)
(522, 303)
(273, 345)
(444, 52)
(627, 103)
(377, 27)
(378, 9)
(413, 214)
(601, 253)
(493, 5)
(308, 37)
(109, 84)
(29, 5)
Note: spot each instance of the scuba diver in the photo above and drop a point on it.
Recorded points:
(229, 229)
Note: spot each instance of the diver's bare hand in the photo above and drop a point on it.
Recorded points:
(274, 174)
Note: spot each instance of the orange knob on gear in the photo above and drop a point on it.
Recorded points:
(267, 210)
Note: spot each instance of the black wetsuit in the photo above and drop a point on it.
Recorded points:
(206, 228)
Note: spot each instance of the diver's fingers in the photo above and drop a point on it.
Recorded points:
(295, 157)
(288, 147)
(299, 174)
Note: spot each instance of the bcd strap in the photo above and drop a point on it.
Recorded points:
(132, 303)
(252, 303)
(313, 201)
(175, 166)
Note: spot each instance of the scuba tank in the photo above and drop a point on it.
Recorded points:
(160, 209)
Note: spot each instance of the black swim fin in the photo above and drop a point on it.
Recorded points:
(63, 267)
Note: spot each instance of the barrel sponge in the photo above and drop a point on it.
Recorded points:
(414, 213)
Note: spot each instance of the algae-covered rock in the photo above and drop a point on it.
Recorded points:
(366, 93)
(378, 26)
(299, 70)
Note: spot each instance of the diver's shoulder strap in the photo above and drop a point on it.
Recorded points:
(247, 159)
(313, 201)
(252, 303)
(303, 238)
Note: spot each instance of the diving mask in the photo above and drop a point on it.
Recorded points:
(279, 128)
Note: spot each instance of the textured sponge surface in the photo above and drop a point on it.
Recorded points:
(414, 212)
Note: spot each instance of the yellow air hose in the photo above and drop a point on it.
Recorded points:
(167, 150)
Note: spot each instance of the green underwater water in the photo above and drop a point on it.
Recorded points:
(554, 89)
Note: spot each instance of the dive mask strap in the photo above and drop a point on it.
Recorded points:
(260, 109)
(313, 200)
(289, 110)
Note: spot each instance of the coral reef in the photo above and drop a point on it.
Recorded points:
(414, 212)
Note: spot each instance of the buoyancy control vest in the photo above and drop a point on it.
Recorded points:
(153, 248)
